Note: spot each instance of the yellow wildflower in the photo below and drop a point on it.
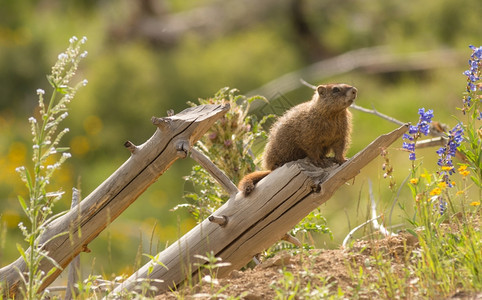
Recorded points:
(463, 170)
(435, 191)
(414, 180)
(447, 168)
(442, 185)
(475, 203)
(459, 193)
(423, 175)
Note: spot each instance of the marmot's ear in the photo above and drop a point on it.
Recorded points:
(321, 89)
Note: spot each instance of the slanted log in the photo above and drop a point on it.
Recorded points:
(173, 137)
(253, 223)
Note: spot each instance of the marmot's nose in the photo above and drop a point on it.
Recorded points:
(352, 92)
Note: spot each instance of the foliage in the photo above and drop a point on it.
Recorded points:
(448, 229)
(46, 139)
(228, 144)
(472, 148)
(445, 222)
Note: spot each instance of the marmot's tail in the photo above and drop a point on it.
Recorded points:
(246, 185)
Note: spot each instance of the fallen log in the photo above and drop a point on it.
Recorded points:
(245, 226)
(85, 221)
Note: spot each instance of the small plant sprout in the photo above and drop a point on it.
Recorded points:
(210, 268)
(47, 157)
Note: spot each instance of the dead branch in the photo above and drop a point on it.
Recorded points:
(254, 223)
(116, 193)
(217, 174)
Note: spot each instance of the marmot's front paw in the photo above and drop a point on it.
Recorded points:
(247, 188)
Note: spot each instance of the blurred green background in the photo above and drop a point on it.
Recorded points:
(148, 56)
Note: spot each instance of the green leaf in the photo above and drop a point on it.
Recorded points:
(52, 261)
(62, 149)
(258, 98)
(22, 203)
(475, 180)
(29, 180)
(412, 232)
(63, 89)
(21, 251)
(156, 260)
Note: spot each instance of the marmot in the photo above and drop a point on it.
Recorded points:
(311, 129)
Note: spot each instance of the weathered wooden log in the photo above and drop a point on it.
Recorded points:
(174, 135)
(74, 267)
(253, 223)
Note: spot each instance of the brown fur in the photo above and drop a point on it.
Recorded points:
(311, 129)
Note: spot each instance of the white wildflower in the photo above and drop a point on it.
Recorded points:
(66, 155)
(84, 54)
(62, 56)
(20, 169)
(73, 39)
(40, 92)
(83, 40)
(32, 120)
(84, 82)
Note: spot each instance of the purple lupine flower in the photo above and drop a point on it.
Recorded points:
(446, 153)
(411, 156)
(477, 51)
(415, 131)
(473, 75)
(442, 206)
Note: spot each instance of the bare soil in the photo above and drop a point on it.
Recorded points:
(337, 272)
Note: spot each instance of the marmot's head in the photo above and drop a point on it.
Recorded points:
(336, 96)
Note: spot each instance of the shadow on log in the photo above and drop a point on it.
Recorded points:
(253, 223)
(173, 138)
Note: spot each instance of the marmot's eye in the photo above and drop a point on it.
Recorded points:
(336, 90)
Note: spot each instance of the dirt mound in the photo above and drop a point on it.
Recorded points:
(362, 272)
(322, 272)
